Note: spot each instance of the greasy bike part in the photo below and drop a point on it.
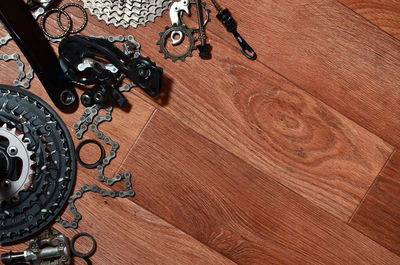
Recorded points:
(27, 35)
(19, 81)
(80, 127)
(49, 248)
(163, 41)
(141, 71)
(54, 169)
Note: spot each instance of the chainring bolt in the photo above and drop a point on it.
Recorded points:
(12, 150)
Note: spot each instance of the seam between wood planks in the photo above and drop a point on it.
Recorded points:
(371, 186)
(137, 139)
(256, 169)
(369, 21)
(189, 235)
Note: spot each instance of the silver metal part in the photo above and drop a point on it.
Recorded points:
(17, 148)
(49, 248)
(80, 127)
(175, 14)
(126, 13)
(42, 3)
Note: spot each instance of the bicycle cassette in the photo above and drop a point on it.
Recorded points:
(37, 164)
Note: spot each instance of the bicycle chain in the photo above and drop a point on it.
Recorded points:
(81, 126)
(6, 57)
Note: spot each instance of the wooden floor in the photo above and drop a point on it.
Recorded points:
(289, 159)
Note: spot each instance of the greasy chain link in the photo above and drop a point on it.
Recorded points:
(80, 127)
(6, 57)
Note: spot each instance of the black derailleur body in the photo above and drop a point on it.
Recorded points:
(84, 61)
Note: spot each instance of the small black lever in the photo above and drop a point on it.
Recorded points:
(231, 26)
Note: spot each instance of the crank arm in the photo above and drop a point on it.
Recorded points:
(24, 30)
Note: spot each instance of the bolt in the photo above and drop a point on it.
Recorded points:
(204, 49)
(12, 150)
(141, 72)
(86, 100)
(99, 97)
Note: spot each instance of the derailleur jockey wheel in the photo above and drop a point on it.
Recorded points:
(37, 164)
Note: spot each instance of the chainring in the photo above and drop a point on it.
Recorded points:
(54, 168)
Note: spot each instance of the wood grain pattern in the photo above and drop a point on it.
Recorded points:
(237, 210)
(283, 131)
(258, 115)
(383, 13)
(128, 234)
(267, 121)
(379, 215)
(330, 52)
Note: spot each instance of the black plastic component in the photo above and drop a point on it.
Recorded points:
(78, 156)
(79, 254)
(230, 24)
(204, 50)
(87, 260)
(141, 71)
(24, 30)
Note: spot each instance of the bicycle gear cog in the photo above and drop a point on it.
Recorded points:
(127, 13)
(15, 164)
(32, 131)
(163, 41)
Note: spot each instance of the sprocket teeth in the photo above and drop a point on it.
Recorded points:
(162, 42)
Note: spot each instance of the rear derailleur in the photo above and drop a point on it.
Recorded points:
(96, 62)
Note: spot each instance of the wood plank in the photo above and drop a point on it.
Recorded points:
(330, 52)
(223, 202)
(383, 13)
(379, 215)
(259, 116)
(128, 234)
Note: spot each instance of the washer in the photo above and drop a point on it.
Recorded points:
(79, 147)
(79, 254)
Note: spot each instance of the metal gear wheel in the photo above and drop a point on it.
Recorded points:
(45, 140)
(15, 164)
(163, 41)
(127, 13)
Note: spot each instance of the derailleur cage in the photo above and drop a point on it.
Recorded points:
(96, 61)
